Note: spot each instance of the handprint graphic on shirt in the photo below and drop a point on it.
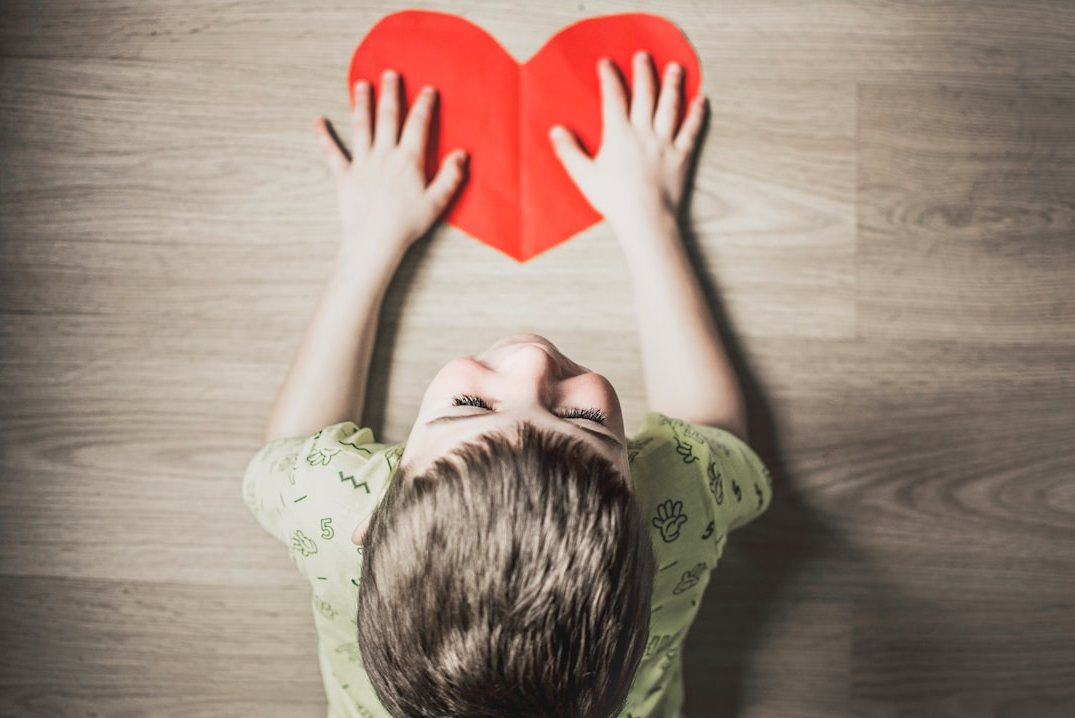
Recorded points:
(669, 518)
(716, 483)
(685, 449)
(321, 457)
(303, 544)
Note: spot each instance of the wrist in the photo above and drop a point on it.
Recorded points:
(358, 268)
(650, 237)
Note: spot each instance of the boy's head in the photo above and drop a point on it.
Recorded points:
(508, 572)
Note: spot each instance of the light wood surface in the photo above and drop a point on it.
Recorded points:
(885, 208)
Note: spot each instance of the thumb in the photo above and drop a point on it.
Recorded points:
(570, 153)
(447, 180)
(334, 155)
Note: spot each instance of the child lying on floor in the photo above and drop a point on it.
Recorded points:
(519, 555)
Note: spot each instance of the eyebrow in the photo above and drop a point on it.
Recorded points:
(607, 439)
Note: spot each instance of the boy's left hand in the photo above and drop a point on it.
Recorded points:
(384, 199)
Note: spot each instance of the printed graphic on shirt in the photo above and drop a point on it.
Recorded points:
(301, 543)
(685, 450)
(690, 579)
(716, 483)
(636, 447)
(350, 650)
(669, 519)
(354, 483)
(737, 491)
(759, 495)
(325, 608)
(709, 530)
(286, 463)
(392, 456)
(691, 433)
(686, 438)
(661, 643)
(352, 441)
(321, 457)
(720, 446)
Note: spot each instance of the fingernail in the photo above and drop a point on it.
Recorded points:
(674, 68)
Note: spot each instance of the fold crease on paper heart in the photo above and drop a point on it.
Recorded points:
(517, 198)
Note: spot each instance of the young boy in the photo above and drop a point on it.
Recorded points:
(519, 555)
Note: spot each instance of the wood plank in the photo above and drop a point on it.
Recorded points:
(968, 213)
(776, 38)
(131, 648)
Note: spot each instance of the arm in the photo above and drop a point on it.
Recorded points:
(637, 181)
(385, 205)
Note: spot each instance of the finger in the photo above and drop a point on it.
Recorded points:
(570, 153)
(387, 131)
(613, 97)
(664, 120)
(416, 126)
(361, 127)
(446, 182)
(642, 92)
(335, 157)
(687, 137)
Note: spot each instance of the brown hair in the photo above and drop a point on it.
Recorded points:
(512, 578)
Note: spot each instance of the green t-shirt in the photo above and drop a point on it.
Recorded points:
(694, 484)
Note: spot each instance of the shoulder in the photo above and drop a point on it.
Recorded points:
(668, 454)
(340, 466)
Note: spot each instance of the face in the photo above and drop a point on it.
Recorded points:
(522, 378)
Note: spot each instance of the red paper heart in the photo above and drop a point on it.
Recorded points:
(517, 198)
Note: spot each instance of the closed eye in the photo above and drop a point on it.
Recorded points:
(470, 400)
(595, 415)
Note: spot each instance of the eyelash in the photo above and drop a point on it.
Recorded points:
(594, 415)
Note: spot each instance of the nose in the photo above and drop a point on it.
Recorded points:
(531, 367)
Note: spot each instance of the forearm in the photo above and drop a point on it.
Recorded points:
(326, 382)
(686, 368)
(386, 204)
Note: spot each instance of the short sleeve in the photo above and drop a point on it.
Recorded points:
(741, 484)
(674, 451)
(288, 473)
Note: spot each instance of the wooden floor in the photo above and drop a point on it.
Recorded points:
(885, 206)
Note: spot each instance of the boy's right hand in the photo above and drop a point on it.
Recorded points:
(385, 201)
(639, 174)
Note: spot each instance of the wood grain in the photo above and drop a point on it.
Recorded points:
(883, 210)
